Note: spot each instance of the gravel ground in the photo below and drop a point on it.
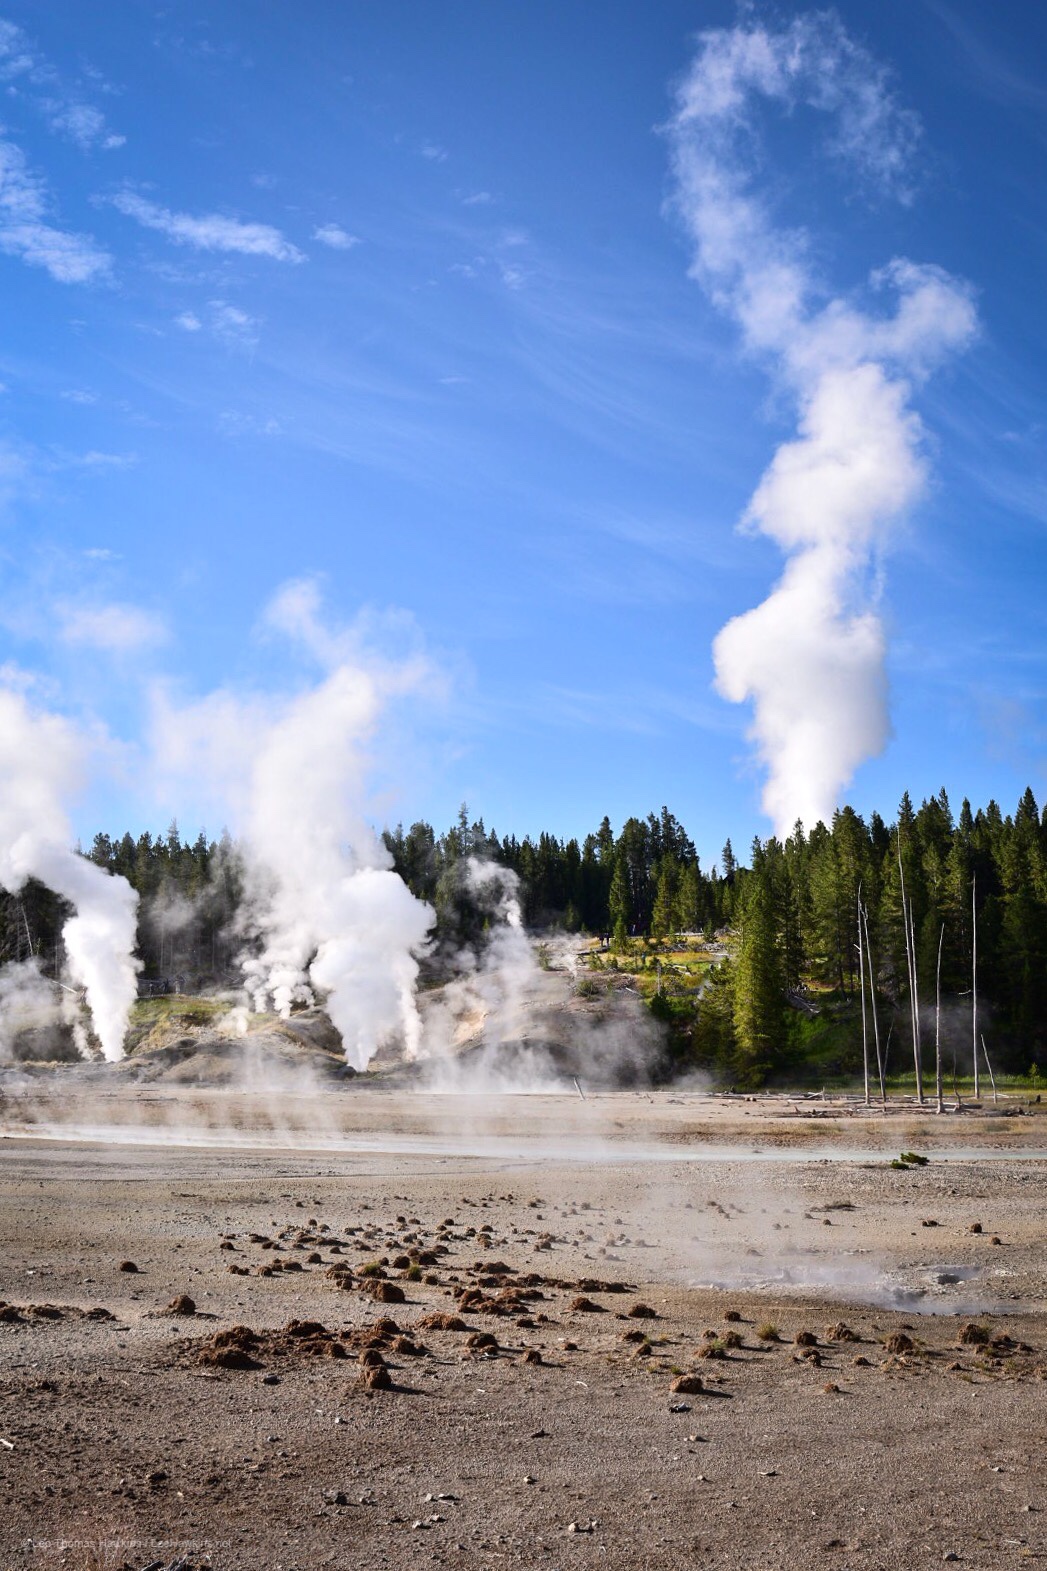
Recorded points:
(140, 1427)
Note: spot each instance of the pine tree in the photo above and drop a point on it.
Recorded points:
(619, 904)
(758, 990)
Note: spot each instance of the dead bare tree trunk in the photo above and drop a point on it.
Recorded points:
(940, 1108)
(881, 1062)
(974, 978)
(988, 1066)
(910, 956)
(28, 934)
(865, 1023)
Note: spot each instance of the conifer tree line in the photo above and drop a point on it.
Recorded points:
(788, 916)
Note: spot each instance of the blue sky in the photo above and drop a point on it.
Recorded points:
(395, 298)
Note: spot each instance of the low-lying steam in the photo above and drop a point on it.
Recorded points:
(811, 657)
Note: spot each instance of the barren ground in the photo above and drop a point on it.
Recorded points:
(146, 1435)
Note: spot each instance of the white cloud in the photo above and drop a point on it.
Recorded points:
(69, 258)
(115, 628)
(79, 395)
(433, 151)
(66, 114)
(235, 423)
(811, 657)
(83, 124)
(232, 325)
(16, 58)
(477, 199)
(15, 472)
(209, 232)
(335, 237)
(94, 459)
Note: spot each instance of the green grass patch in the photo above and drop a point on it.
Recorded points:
(178, 1008)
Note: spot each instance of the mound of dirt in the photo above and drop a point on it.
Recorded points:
(191, 1042)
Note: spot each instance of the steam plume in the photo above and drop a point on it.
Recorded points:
(811, 657)
(497, 982)
(326, 909)
(41, 759)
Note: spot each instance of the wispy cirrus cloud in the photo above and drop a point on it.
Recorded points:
(992, 72)
(14, 472)
(83, 124)
(208, 231)
(233, 325)
(336, 237)
(16, 58)
(25, 233)
(66, 111)
(115, 628)
(94, 458)
(229, 323)
(236, 423)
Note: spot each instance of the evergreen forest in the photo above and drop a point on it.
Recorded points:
(754, 965)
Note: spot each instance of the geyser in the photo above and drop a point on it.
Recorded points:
(325, 910)
(41, 762)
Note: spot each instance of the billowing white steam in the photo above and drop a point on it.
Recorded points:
(811, 657)
(41, 760)
(27, 1000)
(496, 986)
(326, 909)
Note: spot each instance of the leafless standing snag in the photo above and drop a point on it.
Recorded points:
(974, 980)
(865, 1023)
(940, 1107)
(881, 1064)
(910, 956)
(988, 1066)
